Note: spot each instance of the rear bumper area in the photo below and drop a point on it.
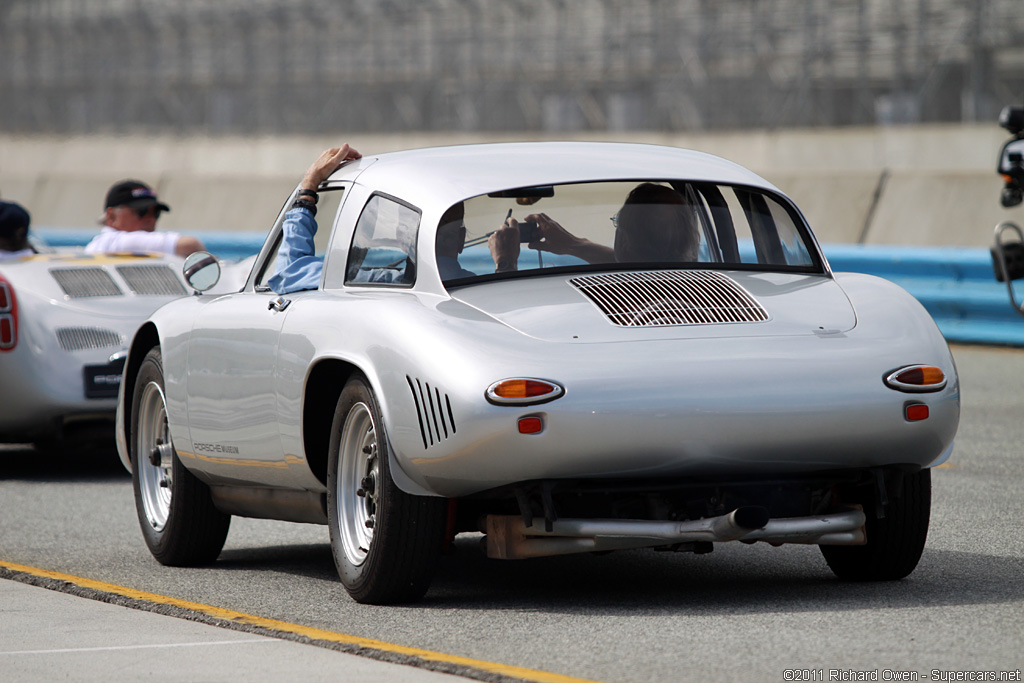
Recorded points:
(45, 396)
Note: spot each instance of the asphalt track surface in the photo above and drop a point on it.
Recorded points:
(742, 613)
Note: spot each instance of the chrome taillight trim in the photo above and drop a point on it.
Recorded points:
(492, 397)
(8, 345)
(892, 382)
(9, 314)
(8, 296)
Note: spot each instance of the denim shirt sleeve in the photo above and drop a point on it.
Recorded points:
(297, 267)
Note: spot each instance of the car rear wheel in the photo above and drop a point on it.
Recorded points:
(386, 542)
(179, 522)
(894, 542)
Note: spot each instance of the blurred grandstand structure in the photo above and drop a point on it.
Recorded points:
(245, 67)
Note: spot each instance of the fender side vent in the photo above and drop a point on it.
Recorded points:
(79, 283)
(433, 410)
(78, 338)
(152, 280)
(670, 297)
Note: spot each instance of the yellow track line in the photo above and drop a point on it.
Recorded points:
(299, 630)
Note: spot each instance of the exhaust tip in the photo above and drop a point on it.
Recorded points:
(751, 517)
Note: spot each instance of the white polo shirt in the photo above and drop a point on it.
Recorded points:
(110, 239)
(12, 255)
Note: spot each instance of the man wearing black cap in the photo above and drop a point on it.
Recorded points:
(129, 224)
(14, 221)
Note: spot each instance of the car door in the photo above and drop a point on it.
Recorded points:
(233, 407)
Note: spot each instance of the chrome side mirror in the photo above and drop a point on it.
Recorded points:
(201, 271)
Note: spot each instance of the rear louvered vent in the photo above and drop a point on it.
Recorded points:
(434, 410)
(80, 283)
(78, 338)
(670, 297)
(152, 280)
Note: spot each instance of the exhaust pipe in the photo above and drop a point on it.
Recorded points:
(509, 538)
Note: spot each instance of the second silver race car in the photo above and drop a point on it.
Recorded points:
(65, 322)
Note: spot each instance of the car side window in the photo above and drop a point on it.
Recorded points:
(327, 208)
(767, 232)
(383, 250)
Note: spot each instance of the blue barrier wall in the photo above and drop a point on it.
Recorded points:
(955, 284)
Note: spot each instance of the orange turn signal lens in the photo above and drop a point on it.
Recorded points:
(523, 391)
(917, 378)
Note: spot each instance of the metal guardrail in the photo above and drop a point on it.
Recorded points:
(955, 284)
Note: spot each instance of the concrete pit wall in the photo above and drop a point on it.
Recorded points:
(921, 186)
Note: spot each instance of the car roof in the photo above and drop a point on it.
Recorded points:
(441, 176)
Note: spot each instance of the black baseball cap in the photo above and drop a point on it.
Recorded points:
(12, 218)
(134, 195)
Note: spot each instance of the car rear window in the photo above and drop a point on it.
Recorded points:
(629, 225)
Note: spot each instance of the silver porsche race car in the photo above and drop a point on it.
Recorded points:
(569, 347)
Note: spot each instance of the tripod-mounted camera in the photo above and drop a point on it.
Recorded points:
(1008, 250)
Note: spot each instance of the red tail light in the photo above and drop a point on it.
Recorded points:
(8, 317)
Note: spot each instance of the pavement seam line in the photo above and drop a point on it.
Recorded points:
(153, 646)
(312, 634)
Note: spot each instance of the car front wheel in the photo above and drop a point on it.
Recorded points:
(179, 522)
(385, 542)
(894, 542)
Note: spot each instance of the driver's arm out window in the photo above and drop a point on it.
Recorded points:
(326, 209)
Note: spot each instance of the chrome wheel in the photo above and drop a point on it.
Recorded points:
(358, 483)
(385, 542)
(181, 525)
(156, 461)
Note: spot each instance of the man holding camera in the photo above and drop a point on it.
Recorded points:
(654, 224)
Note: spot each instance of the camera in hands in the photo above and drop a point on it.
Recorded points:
(529, 231)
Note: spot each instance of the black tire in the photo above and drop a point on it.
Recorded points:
(181, 526)
(894, 542)
(392, 559)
